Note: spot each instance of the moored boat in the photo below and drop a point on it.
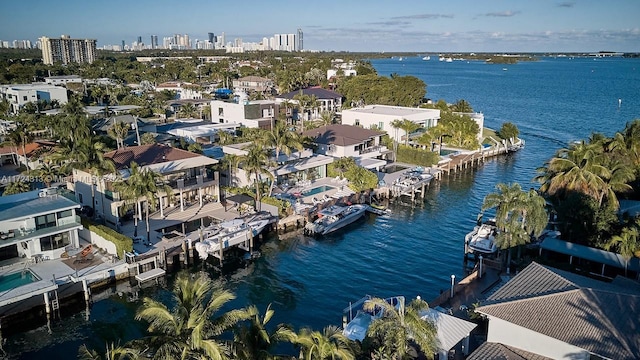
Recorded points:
(231, 233)
(357, 319)
(482, 238)
(334, 218)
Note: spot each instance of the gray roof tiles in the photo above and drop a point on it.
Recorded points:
(596, 316)
(496, 351)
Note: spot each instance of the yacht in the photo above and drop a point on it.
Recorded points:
(335, 217)
(229, 233)
(482, 238)
(357, 319)
(426, 58)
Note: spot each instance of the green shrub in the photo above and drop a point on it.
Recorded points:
(416, 156)
(122, 242)
(283, 206)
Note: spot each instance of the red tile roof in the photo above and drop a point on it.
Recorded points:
(147, 155)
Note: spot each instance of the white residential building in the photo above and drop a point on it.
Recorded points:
(253, 114)
(185, 172)
(40, 223)
(339, 141)
(20, 94)
(184, 90)
(63, 79)
(381, 117)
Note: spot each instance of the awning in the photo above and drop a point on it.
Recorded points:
(589, 253)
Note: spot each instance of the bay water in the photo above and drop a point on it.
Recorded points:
(415, 250)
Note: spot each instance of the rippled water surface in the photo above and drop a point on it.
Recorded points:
(414, 251)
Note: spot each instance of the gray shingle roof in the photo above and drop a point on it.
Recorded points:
(496, 351)
(596, 316)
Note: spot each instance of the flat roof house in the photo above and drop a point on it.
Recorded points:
(381, 117)
(20, 94)
(364, 145)
(38, 223)
(562, 315)
(327, 100)
(253, 114)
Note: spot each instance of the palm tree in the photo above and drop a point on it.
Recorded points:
(233, 161)
(16, 187)
(147, 138)
(327, 117)
(47, 172)
(119, 131)
(153, 186)
(520, 215)
(189, 329)
(253, 341)
(328, 344)
(257, 163)
(20, 136)
(283, 141)
(188, 110)
(75, 124)
(113, 352)
(408, 126)
(399, 327)
(132, 189)
(627, 244)
(224, 138)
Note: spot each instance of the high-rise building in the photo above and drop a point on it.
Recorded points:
(139, 39)
(300, 42)
(154, 41)
(285, 42)
(212, 38)
(67, 50)
(122, 45)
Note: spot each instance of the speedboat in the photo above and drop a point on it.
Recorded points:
(426, 58)
(482, 238)
(377, 209)
(230, 233)
(335, 217)
(356, 325)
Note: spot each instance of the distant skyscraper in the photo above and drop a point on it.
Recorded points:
(212, 38)
(139, 40)
(67, 50)
(122, 45)
(300, 46)
(154, 41)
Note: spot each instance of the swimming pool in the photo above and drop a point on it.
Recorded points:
(445, 152)
(317, 190)
(17, 279)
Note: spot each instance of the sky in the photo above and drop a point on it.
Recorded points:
(345, 25)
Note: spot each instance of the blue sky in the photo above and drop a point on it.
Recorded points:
(364, 25)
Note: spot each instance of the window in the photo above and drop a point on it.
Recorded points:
(357, 122)
(381, 126)
(45, 221)
(53, 242)
(64, 214)
(24, 98)
(220, 112)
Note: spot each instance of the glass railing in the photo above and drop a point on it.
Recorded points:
(16, 235)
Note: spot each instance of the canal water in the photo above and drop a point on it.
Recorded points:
(415, 250)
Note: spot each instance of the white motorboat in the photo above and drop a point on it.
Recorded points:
(426, 58)
(357, 319)
(230, 233)
(335, 217)
(482, 238)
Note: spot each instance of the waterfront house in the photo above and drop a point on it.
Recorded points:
(338, 141)
(562, 315)
(187, 173)
(195, 131)
(253, 114)
(37, 225)
(289, 169)
(380, 117)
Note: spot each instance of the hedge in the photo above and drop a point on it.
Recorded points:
(122, 242)
(416, 156)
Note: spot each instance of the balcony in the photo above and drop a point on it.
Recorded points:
(372, 149)
(15, 236)
(184, 183)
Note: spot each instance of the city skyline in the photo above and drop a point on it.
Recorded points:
(410, 25)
